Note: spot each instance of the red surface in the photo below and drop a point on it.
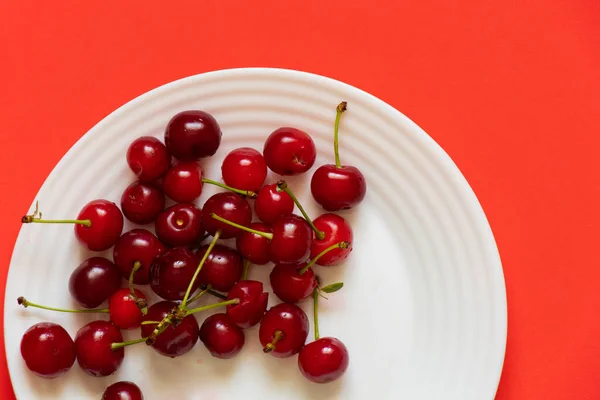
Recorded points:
(509, 89)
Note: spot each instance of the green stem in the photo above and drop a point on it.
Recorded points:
(266, 235)
(283, 187)
(211, 306)
(246, 268)
(141, 303)
(200, 294)
(340, 245)
(336, 127)
(30, 219)
(150, 322)
(26, 303)
(189, 289)
(248, 193)
(316, 312)
(276, 338)
(116, 346)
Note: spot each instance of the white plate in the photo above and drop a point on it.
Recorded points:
(423, 312)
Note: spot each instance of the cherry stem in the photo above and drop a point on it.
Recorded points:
(340, 245)
(211, 306)
(266, 235)
(316, 312)
(283, 187)
(150, 322)
(213, 292)
(200, 294)
(276, 338)
(246, 269)
(26, 303)
(141, 303)
(30, 219)
(206, 254)
(336, 127)
(116, 346)
(248, 193)
(160, 328)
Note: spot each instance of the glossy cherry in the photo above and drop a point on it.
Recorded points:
(222, 269)
(272, 203)
(335, 229)
(148, 158)
(183, 181)
(221, 336)
(230, 206)
(283, 330)
(93, 348)
(137, 246)
(254, 247)
(123, 309)
(142, 202)
(252, 305)
(172, 271)
(290, 285)
(244, 168)
(180, 225)
(48, 350)
(289, 151)
(123, 390)
(323, 360)
(192, 135)
(292, 238)
(94, 281)
(175, 340)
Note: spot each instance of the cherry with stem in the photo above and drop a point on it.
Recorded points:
(283, 187)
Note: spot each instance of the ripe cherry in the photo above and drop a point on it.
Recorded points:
(244, 168)
(148, 158)
(93, 345)
(335, 229)
(183, 181)
(192, 135)
(221, 336)
(172, 271)
(283, 330)
(180, 225)
(123, 390)
(48, 350)
(176, 340)
(254, 247)
(272, 203)
(289, 151)
(324, 360)
(94, 281)
(123, 309)
(252, 305)
(222, 269)
(230, 206)
(137, 248)
(336, 186)
(142, 202)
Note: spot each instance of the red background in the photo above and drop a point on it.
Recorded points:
(508, 88)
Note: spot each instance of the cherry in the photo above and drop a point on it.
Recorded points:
(335, 229)
(94, 281)
(123, 390)
(244, 168)
(222, 268)
(180, 225)
(272, 203)
(323, 360)
(137, 248)
(230, 206)
(283, 330)
(336, 186)
(192, 135)
(183, 181)
(254, 247)
(142, 202)
(148, 158)
(94, 348)
(172, 271)
(48, 350)
(289, 151)
(290, 285)
(252, 305)
(174, 341)
(98, 225)
(221, 336)
(124, 310)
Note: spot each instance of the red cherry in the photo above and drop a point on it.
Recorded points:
(290, 285)
(148, 158)
(175, 340)
(338, 188)
(283, 330)
(192, 135)
(335, 229)
(289, 151)
(94, 281)
(180, 225)
(292, 238)
(253, 247)
(93, 347)
(221, 336)
(106, 225)
(183, 182)
(142, 202)
(230, 206)
(123, 390)
(48, 350)
(244, 168)
(222, 269)
(270, 204)
(137, 246)
(252, 305)
(124, 312)
(172, 271)
(323, 360)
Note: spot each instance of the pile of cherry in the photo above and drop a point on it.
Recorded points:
(180, 270)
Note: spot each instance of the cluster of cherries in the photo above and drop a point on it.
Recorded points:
(180, 270)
